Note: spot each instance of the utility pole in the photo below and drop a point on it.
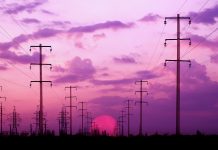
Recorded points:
(40, 64)
(178, 60)
(36, 119)
(31, 129)
(71, 106)
(15, 119)
(141, 91)
(128, 115)
(1, 111)
(45, 125)
(82, 115)
(121, 121)
(63, 121)
(119, 127)
(88, 123)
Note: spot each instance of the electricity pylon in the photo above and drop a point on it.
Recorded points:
(40, 64)
(128, 116)
(82, 115)
(1, 114)
(71, 106)
(141, 91)
(178, 60)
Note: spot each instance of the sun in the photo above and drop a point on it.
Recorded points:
(105, 123)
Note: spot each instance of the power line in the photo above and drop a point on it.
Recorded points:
(157, 45)
(204, 4)
(183, 4)
(197, 16)
(198, 44)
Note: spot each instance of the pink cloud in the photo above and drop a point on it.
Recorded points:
(113, 82)
(30, 21)
(198, 91)
(214, 58)
(62, 24)
(109, 101)
(99, 36)
(144, 74)
(47, 12)
(3, 67)
(207, 16)
(29, 7)
(150, 18)
(23, 59)
(48, 32)
(125, 60)
(100, 26)
(204, 42)
(58, 69)
(77, 70)
(79, 45)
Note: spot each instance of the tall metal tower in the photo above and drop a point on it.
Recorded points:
(15, 119)
(128, 107)
(1, 115)
(141, 91)
(63, 121)
(82, 116)
(178, 60)
(71, 106)
(40, 64)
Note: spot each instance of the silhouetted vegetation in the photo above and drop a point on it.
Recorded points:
(163, 141)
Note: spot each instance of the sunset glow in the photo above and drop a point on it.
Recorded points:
(102, 47)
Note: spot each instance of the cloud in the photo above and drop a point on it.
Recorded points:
(113, 82)
(198, 91)
(49, 32)
(112, 102)
(137, 76)
(29, 7)
(101, 26)
(15, 42)
(3, 67)
(204, 41)
(208, 16)
(79, 45)
(214, 58)
(99, 36)
(58, 69)
(30, 21)
(117, 89)
(125, 60)
(145, 74)
(45, 33)
(47, 12)
(77, 70)
(198, 102)
(62, 24)
(23, 59)
(108, 101)
(150, 18)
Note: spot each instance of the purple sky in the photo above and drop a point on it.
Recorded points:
(103, 47)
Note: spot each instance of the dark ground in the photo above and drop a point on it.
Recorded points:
(105, 142)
